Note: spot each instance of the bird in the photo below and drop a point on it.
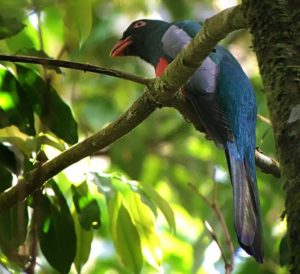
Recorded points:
(221, 96)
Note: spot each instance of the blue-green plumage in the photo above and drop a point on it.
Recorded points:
(224, 101)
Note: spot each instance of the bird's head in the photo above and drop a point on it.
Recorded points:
(143, 39)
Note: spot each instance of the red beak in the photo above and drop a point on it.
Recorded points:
(119, 48)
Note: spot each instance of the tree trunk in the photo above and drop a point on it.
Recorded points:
(274, 25)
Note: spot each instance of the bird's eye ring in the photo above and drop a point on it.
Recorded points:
(139, 24)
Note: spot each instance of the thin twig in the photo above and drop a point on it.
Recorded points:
(267, 164)
(220, 216)
(77, 66)
(264, 119)
(39, 29)
(215, 238)
(32, 242)
(214, 206)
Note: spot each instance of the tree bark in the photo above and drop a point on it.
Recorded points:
(274, 25)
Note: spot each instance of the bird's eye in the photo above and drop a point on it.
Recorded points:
(139, 24)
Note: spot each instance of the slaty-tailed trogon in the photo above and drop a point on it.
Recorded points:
(223, 99)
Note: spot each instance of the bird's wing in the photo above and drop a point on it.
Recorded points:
(200, 90)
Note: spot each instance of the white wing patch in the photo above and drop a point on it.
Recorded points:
(205, 77)
(174, 40)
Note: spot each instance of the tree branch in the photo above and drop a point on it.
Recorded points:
(74, 65)
(267, 164)
(179, 71)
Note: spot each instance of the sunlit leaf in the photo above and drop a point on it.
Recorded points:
(127, 242)
(114, 205)
(84, 240)
(45, 139)
(78, 20)
(6, 101)
(143, 219)
(161, 203)
(56, 230)
(178, 253)
(124, 234)
(121, 184)
(27, 38)
(139, 204)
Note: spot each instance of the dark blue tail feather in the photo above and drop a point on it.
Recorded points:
(247, 219)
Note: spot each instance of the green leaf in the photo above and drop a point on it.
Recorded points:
(121, 184)
(127, 242)
(284, 253)
(114, 205)
(56, 230)
(9, 26)
(109, 184)
(78, 20)
(143, 219)
(89, 216)
(13, 221)
(17, 8)
(47, 104)
(124, 234)
(15, 106)
(84, 241)
(161, 203)
(24, 39)
(46, 139)
(103, 183)
(86, 207)
(139, 204)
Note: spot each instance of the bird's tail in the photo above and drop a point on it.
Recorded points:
(247, 220)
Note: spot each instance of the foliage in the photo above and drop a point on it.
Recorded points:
(127, 208)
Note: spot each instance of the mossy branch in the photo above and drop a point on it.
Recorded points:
(213, 30)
